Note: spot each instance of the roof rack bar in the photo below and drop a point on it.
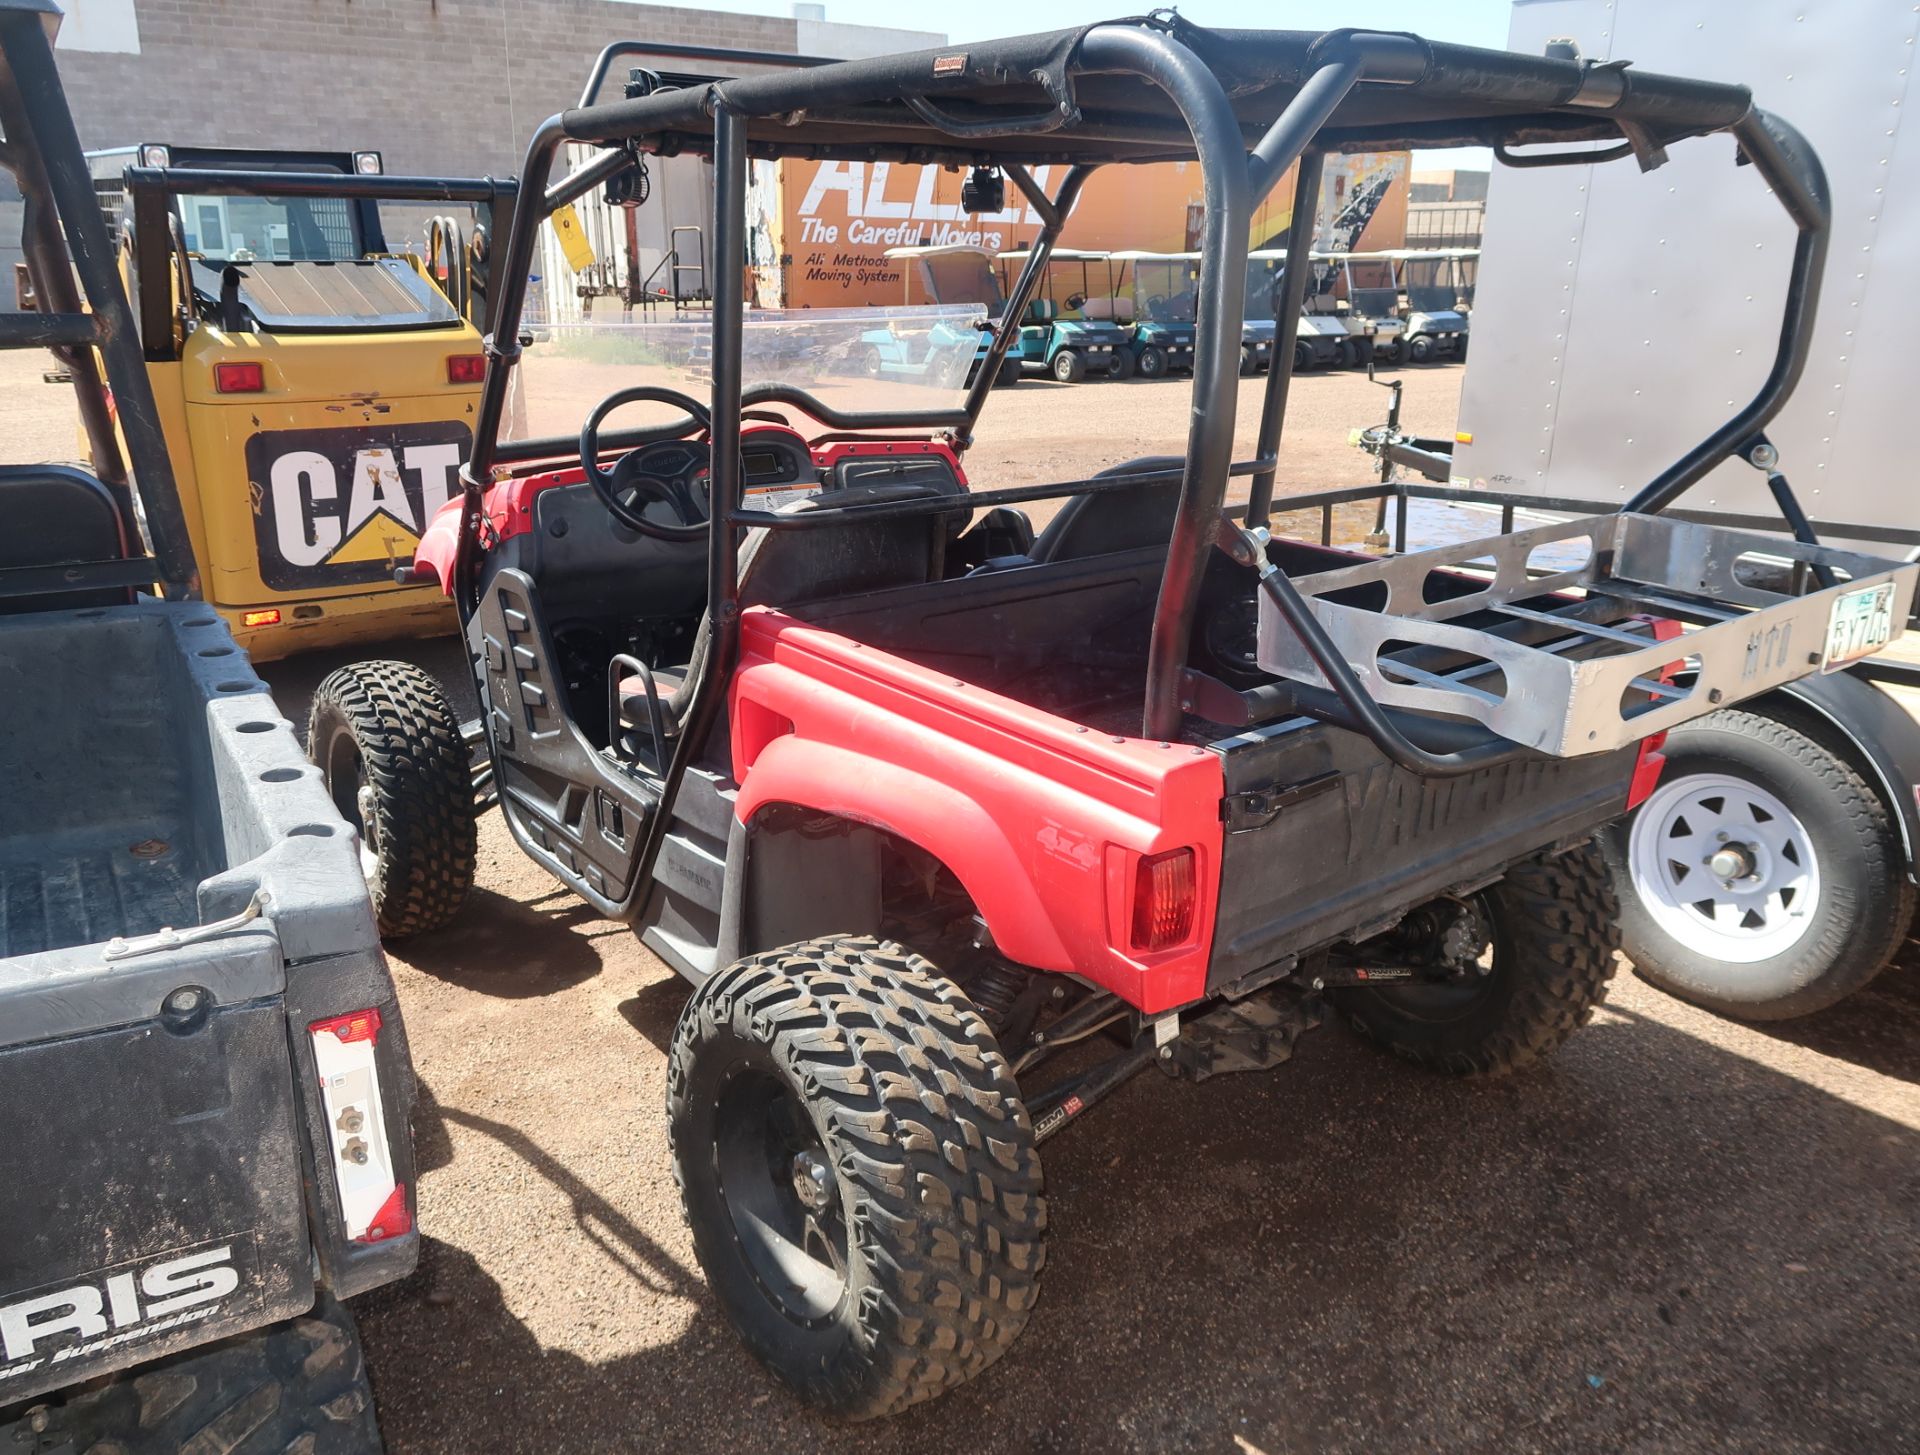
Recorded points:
(603, 63)
(378, 187)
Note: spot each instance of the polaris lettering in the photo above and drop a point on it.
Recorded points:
(117, 1302)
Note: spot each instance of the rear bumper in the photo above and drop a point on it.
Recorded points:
(341, 621)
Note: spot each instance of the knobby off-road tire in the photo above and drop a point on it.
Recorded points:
(389, 743)
(1555, 930)
(300, 1386)
(901, 1105)
(1852, 903)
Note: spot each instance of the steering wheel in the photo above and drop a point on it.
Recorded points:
(613, 485)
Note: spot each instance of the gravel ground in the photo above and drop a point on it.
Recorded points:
(1682, 1235)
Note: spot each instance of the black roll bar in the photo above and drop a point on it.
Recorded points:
(1791, 168)
(1273, 406)
(603, 63)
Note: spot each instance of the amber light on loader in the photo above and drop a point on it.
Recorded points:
(268, 616)
(1165, 898)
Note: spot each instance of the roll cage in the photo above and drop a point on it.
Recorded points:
(1247, 105)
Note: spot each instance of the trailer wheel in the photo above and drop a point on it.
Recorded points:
(301, 1385)
(1819, 898)
(1552, 924)
(858, 1172)
(1152, 363)
(1420, 350)
(1069, 366)
(1122, 365)
(388, 741)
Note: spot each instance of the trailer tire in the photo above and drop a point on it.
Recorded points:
(851, 1102)
(1122, 366)
(1069, 366)
(1861, 901)
(1554, 924)
(300, 1385)
(1152, 363)
(388, 741)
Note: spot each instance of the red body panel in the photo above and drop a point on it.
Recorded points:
(1042, 821)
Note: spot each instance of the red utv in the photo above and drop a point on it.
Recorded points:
(920, 800)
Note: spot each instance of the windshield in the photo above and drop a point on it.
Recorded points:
(854, 359)
(962, 278)
(271, 229)
(1163, 289)
(1263, 288)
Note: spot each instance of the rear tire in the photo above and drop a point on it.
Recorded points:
(301, 1385)
(1249, 360)
(1829, 854)
(1010, 371)
(1068, 366)
(388, 741)
(858, 1172)
(1555, 929)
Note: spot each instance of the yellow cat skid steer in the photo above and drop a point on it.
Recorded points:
(317, 387)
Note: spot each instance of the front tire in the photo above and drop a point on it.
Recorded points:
(858, 1172)
(1152, 363)
(1069, 366)
(1397, 350)
(1122, 366)
(1554, 929)
(1421, 350)
(388, 741)
(1827, 901)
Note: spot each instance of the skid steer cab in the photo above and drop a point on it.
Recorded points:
(316, 381)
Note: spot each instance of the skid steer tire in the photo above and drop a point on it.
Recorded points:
(858, 1172)
(1555, 930)
(388, 741)
(301, 1385)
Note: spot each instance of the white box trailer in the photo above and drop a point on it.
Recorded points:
(1772, 871)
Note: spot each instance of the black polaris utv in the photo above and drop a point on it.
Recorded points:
(204, 1082)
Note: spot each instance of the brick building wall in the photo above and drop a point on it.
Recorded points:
(446, 86)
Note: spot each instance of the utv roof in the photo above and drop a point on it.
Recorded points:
(1056, 97)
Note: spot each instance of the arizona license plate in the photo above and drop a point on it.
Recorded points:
(1860, 624)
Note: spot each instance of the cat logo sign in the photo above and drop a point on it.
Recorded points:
(345, 507)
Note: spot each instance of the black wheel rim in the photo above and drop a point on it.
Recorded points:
(352, 794)
(785, 1208)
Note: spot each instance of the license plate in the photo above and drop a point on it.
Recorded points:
(1860, 624)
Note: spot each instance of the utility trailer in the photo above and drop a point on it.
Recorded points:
(916, 813)
(204, 1085)
(1603, 296)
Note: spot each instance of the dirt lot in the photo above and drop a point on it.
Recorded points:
(1683, 1235)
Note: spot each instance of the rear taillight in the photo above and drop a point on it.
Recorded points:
(239, 378)
(466, 368)
(1165, 896)
(373, 1204)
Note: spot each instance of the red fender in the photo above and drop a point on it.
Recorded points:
(1041, 821)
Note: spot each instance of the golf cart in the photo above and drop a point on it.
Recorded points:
(1162, 287)
(921, 818)
(1429, 278)
(204, 1083)
(950, 273)
(1371, 304)
(1070, 348)
(1319, 335)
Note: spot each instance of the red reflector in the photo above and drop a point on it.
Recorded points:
(361, 1025)
(1164, 898)
(239, 378)
(268, 616)
(466, 368)
(392, 1220)
(1646, 769)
